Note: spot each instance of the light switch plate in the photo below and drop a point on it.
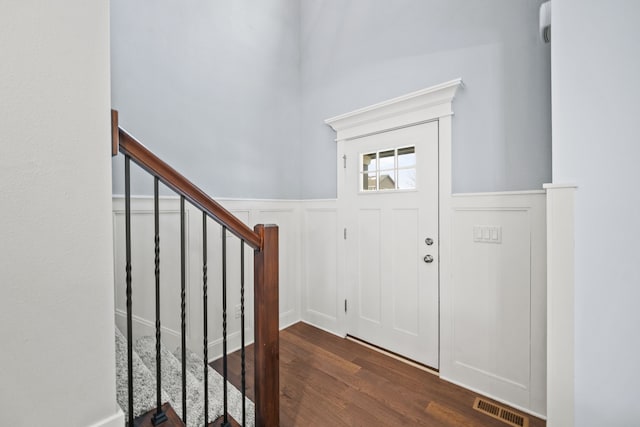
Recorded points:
(487, 233)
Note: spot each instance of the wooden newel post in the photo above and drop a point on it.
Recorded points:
(266, 312)
(115, 134)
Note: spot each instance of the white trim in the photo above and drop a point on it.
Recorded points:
(226, 199)
(329, 331)
(430, 104)
(501, 193)
(416, 107)
(115, 420)
(558, 186)
(426, 96)
(560, 304)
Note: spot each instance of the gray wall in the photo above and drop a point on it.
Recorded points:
(358, 52)
(234, 93)
(595, 69)
(212, 87)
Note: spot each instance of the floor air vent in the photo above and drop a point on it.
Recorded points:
(500, 413)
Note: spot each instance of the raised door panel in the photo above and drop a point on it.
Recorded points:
(320, 263)
(406, 290)
(369, 265)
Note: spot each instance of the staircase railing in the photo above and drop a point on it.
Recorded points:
(263, 239)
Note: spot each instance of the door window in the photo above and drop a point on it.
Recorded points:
(392, 169)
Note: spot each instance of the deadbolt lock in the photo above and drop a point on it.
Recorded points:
(428, 241)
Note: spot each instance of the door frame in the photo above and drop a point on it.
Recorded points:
(426, 105)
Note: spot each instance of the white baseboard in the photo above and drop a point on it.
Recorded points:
(115, 420)
(290, 322)
(329, 331)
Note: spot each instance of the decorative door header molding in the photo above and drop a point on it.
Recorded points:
(410, 109)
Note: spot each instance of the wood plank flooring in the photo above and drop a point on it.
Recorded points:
(327, 380)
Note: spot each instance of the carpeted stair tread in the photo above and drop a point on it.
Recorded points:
(195, 366)
(172, 380)
(144, 382)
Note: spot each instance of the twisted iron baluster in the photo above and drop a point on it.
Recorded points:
(242, 331)
(204, 301)
(127, 214)
(225, 422)
(183, 310)
(159, 417)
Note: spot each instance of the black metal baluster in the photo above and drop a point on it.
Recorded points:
(127, 214)
(225, 422)
(242, 367)
(204, 302)
(183, 310)
(159, 417)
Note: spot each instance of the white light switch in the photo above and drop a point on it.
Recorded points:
(487, 233)
(477, 233)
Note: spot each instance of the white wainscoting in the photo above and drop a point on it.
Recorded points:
(321, 251)
(493, 299)
(286, 214)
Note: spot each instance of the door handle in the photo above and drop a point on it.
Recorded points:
(428, 259)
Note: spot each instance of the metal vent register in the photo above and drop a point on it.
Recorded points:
(500, 413)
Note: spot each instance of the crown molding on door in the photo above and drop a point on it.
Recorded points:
(406, 110)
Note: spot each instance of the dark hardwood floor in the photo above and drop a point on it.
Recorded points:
(326, 380)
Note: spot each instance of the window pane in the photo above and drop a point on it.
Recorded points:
(406, 179)
(406, 157)
(387, 159)
(387, 182)
(368, 182)
(369, 162)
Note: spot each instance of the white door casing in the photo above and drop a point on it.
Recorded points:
(393, 298)
(431, 104)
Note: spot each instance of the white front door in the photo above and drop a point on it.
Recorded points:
(391, 209)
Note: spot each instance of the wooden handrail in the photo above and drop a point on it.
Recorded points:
(144, 158)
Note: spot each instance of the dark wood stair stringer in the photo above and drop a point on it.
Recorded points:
(173, 420)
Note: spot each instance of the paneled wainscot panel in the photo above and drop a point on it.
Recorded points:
(283, 213)
(322, 298)
(493, 310)
(320, 263)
